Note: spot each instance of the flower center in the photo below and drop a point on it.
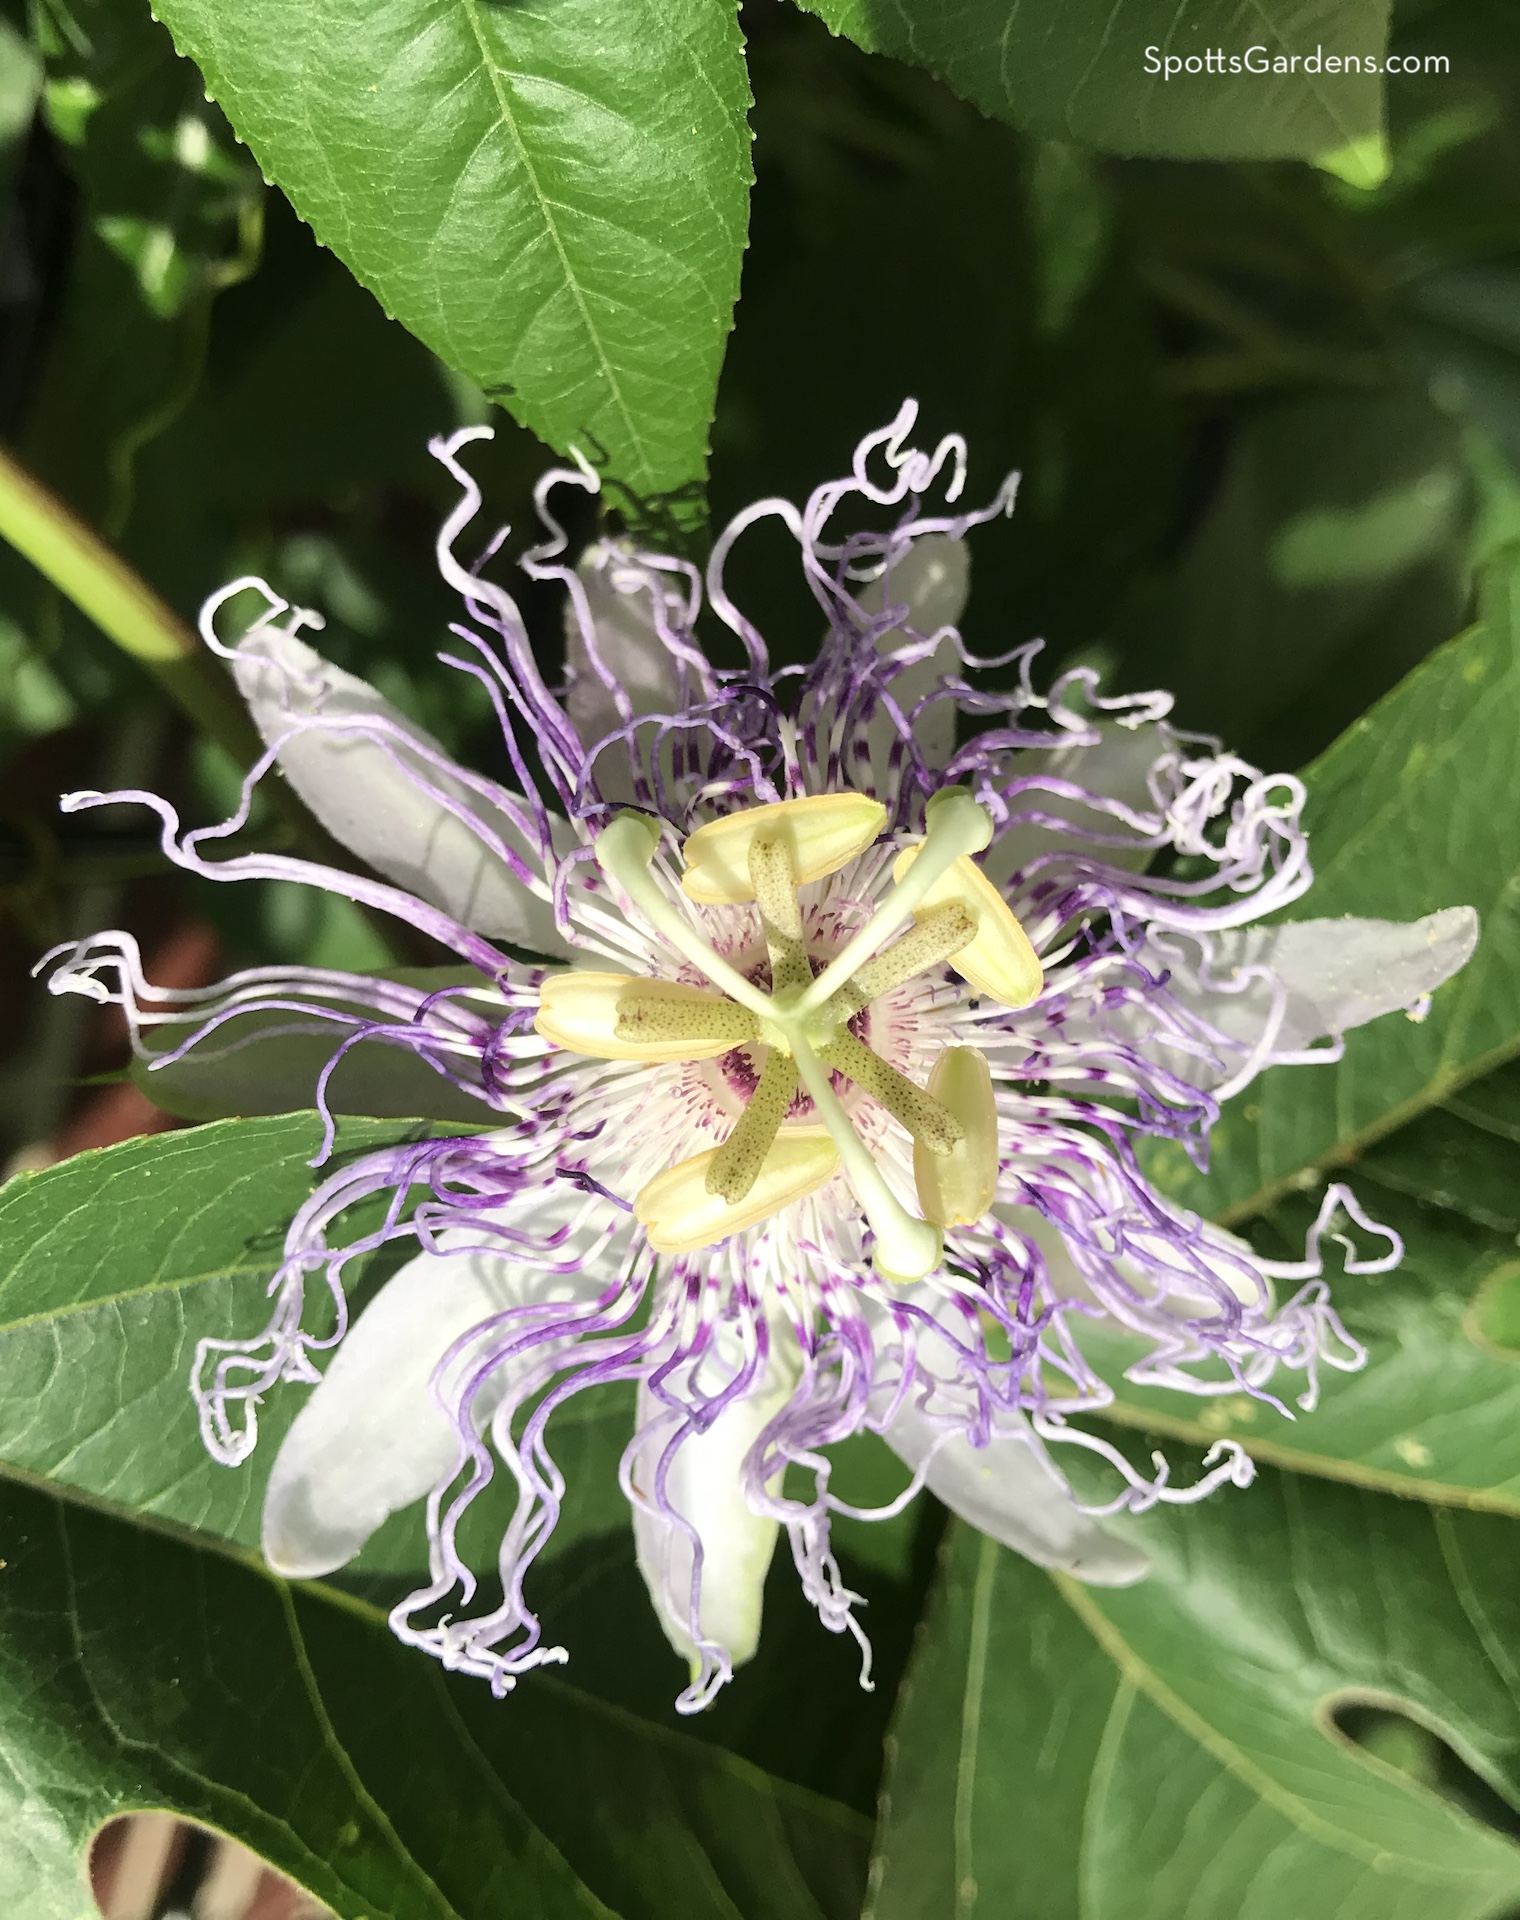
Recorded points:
(762, 855)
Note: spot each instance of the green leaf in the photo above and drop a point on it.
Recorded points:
(139, 1671)
(553, 198)
(1436, 1410)
(20, 82)
(1416, 806)
(171, 215)
(1099, 76)
(1333, 558)
(1087, 1754)
(112, 1265)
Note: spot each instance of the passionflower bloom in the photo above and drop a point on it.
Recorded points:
(812, 1017)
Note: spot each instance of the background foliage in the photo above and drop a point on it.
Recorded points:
(1256, 347)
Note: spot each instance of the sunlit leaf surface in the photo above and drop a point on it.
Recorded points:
(553, 198)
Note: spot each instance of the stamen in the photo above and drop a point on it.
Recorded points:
(822, 833)
(584, 1012)
(681, 1215)
(1000, 961)
(957, 826)
(956, 1189)
(624, 850)
(775, 884)
(940, 933)
(907, 1248)
(931, 1125)
(740, 1158)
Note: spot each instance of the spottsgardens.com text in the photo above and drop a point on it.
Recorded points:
(1263, 60)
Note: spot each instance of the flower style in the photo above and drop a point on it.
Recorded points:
(866, 980)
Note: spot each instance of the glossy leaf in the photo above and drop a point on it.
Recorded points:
(140, 1670)
(553, 198)
(1141, 1753)
(1099, 77)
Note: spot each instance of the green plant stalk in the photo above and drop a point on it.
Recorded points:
(125, 608)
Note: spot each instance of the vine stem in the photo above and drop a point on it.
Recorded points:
(122, 604)
(127, 610)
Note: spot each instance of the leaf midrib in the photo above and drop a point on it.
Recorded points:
(1437, 1494)
(471, 11)
(231, 1270)
(1350, 1146)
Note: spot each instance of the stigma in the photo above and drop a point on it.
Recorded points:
(805, 1030)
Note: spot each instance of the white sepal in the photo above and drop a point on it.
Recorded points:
(704, 1485)
(620, 601)
(373, 1438)
(1007, 1491)
(1328, 975)
(1116, 767)
(369, 792)
(1340, 974)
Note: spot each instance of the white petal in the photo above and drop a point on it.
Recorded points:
(1116, 768)
(366, 794)
(933, 578)
(705, 1488)
(1006, 1489)
(618, 593)
(371, 1439)
(1339, 974)
(1008, 1492)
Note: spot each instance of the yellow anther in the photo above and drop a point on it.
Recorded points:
(774, 885)
(739, 1160)
(616, 1016)
(999, 962)
(821, 834)
(956, 1188)
(681, 1215)
(955, 825)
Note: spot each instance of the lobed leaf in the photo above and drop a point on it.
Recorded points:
(1173, 1747)
(140, 1671)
